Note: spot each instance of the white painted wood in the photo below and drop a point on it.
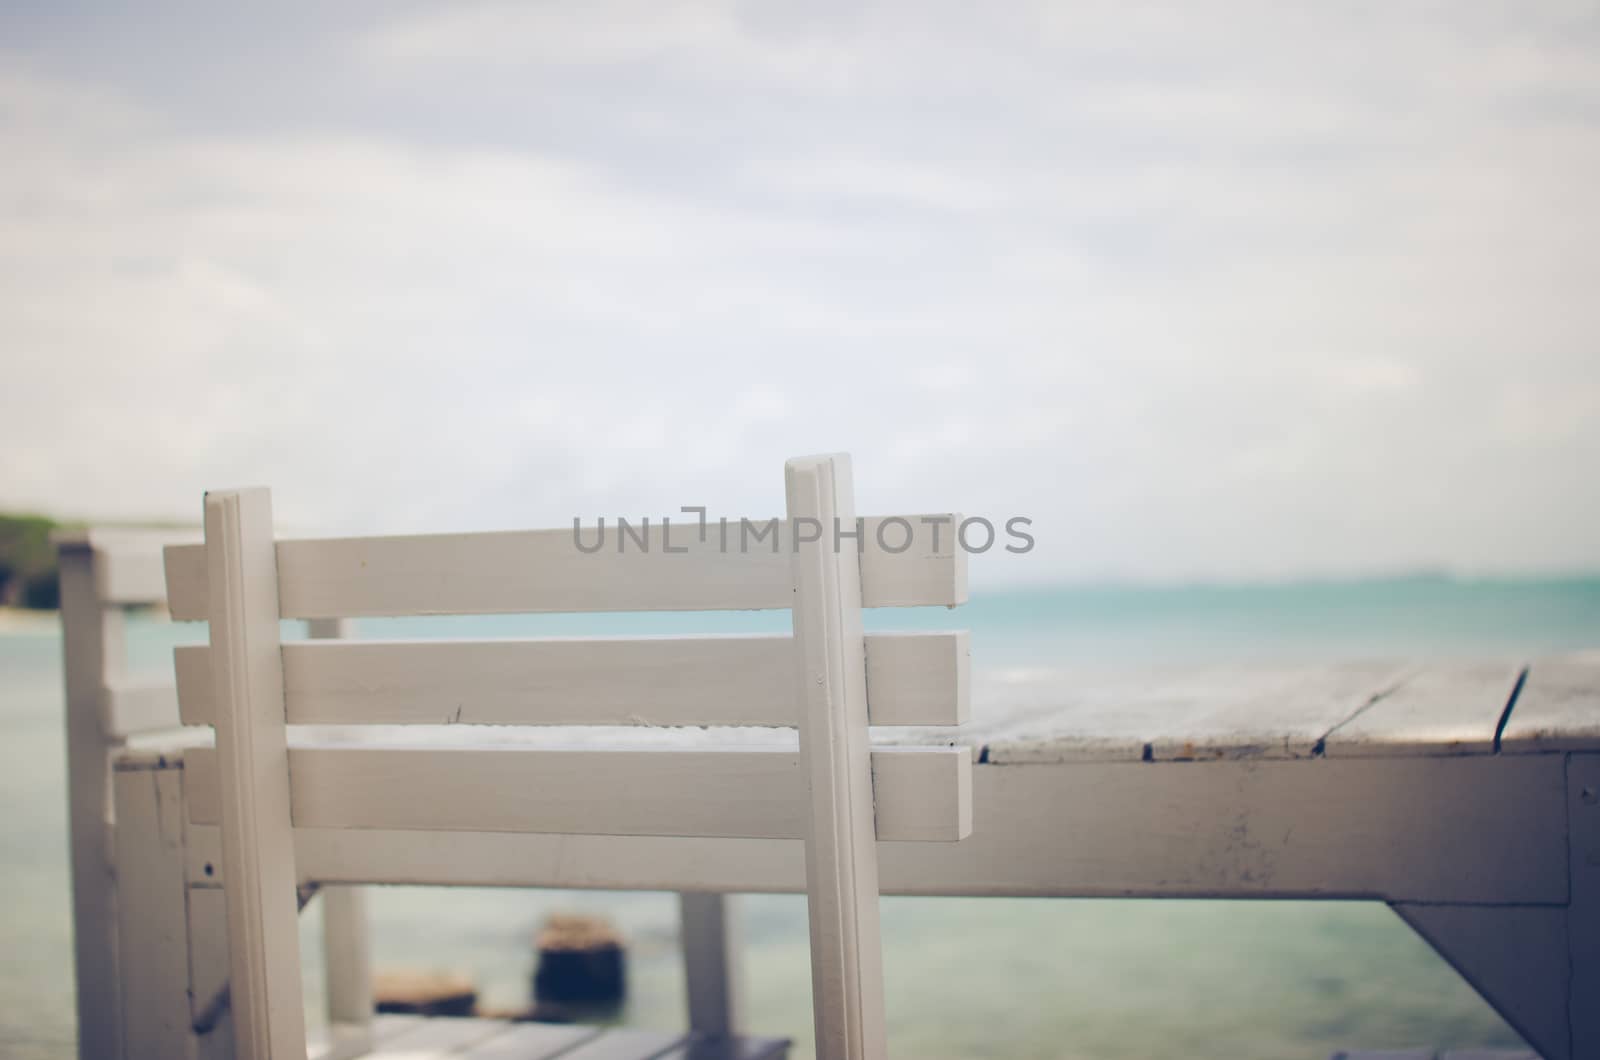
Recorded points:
(624, 1043)
(339, 1041)
(344, 1042)
(530, 1041)
(915, 679)
(841, 852)
(1558, 708)
(345, 946)
(154, 933)
(202, 851)
(758, 794)
(741, 1048)
(387, 1026)
(1583, 917)
(194, 685)
(345, 955)
(321, 1045)
(1172, 713)
(436, 1039)
(1443, 708)
(129, 708)
(128, 561)
(710, 960)
(544, 571)
(253, 775)
(1480, 829)
(918, 678)
(92, 654)
(1514, 956)
(210, 1015)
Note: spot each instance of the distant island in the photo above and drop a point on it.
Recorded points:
(29, 580)
(28, 577)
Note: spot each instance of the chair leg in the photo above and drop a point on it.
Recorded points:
(345, 957)
(711, 961)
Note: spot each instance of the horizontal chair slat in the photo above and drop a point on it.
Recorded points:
(127, 561)
(914, 679)
(921, 794)
(131, 707)
(531, 571)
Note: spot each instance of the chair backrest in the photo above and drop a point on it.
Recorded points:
(836, 794)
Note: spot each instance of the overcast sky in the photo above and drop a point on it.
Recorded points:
(1267, 293)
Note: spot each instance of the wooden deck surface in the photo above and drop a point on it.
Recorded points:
(444, 1038)
(1279, 712)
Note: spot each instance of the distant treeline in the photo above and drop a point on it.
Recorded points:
(28, 562)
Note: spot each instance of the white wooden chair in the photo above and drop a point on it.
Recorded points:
(837, 794)
(104, 573)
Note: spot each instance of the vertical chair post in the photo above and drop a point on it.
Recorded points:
(253, 768)
(841, 843)
(91, 644)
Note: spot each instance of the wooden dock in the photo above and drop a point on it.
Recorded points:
(454, 1038)
(1464, 794)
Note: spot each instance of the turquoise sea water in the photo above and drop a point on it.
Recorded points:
(966, 977)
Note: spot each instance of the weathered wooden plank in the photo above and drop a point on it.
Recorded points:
(252, 777)
(386, 1026)
(210, 1016)
(1165, 714)
(836, 763)
(1476, 829)
(923, 793)
(530, 1041)
(436, 1039)
(339, 1041)
(154, 931)
(701, 1047)
(1443, 708)
(624, 1043)
(130, 707)
(915, 678)
(544, 571)
(1558, 708)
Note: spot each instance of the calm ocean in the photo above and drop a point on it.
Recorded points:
(966, 977)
